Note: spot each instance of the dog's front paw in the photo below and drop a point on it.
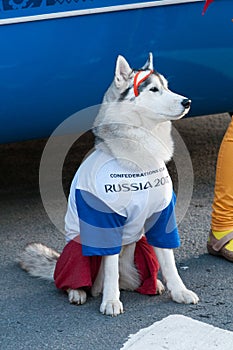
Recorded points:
(185, 296)
(111, 307)
(77, 296)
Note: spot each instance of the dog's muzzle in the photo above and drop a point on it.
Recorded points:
(139, 78)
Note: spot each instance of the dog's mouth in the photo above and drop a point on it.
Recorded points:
(186, 104)
(176, 116)
(179, 116)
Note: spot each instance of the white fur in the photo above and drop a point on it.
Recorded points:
(39, 260)
(179, 292)
(77, 296)
(111, 304)
(136, 131)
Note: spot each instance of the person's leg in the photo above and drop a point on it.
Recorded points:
(221, 236)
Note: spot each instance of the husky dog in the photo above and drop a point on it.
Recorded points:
(130, 179)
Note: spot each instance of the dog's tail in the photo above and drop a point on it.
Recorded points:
(39, 260)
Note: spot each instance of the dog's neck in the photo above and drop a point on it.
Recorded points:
(136, 142)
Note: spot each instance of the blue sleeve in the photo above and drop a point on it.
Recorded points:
(161, 228)
(100, 227)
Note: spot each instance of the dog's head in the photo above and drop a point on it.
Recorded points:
(147, 89)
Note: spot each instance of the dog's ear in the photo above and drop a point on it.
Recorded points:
(122, 72)
(149, 63)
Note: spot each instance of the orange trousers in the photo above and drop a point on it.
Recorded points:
(222, 214)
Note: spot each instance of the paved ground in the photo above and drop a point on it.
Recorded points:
(34, 315)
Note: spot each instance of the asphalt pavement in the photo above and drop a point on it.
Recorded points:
(35, 315)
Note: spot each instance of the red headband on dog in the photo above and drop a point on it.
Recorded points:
(136, 83)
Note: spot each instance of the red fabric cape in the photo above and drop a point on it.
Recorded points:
(73, 270)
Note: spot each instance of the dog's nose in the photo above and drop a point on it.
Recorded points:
(186, 103)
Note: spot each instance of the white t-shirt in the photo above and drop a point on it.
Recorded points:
(110, 206)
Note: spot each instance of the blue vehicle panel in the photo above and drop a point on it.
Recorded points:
(55, 65)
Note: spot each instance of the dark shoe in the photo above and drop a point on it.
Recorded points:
(217, 246)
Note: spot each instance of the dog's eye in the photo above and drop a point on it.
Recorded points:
(154, 89)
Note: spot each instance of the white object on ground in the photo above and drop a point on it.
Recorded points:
(177, 332)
